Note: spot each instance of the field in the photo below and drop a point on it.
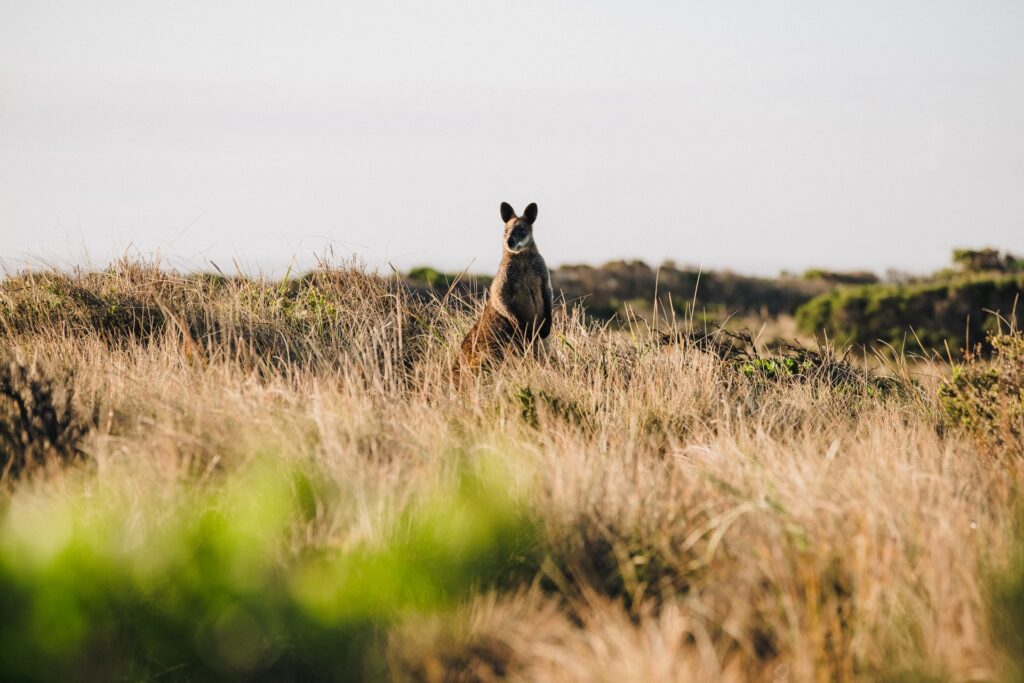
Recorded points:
(223, 478)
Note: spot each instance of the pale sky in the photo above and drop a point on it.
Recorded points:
(756, 136)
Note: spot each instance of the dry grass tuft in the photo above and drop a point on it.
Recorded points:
(38, 425)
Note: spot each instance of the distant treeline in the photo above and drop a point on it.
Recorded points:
(954, 306)
(608, 289)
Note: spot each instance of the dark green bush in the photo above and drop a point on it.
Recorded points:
(983, 260)
(857, 277)
(957, 313)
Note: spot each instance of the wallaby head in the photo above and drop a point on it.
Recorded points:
(518, 229)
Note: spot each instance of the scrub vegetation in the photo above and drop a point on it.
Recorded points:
(210, 477)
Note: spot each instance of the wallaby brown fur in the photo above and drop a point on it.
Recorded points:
(517, 315)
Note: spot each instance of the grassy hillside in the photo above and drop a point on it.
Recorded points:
(221, 478)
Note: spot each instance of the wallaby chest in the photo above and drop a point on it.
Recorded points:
(520, 288)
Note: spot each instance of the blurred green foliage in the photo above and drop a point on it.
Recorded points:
(1006, 597)
(429, 276)
(221, 588)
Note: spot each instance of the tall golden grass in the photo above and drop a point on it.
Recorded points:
(697, 517)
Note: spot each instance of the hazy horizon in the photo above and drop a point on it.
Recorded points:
(726, 136)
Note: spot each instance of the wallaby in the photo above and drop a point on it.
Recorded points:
(517, 315)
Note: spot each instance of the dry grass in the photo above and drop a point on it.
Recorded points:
(696, 522)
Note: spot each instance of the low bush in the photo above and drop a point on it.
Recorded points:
(789, 363)
(986, 397)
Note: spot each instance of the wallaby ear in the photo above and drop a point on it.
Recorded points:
(530, 214)
(507, 212)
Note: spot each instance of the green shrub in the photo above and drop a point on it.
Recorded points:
(428, 276)
(774, 368)
(440, 282)
(986, 397)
